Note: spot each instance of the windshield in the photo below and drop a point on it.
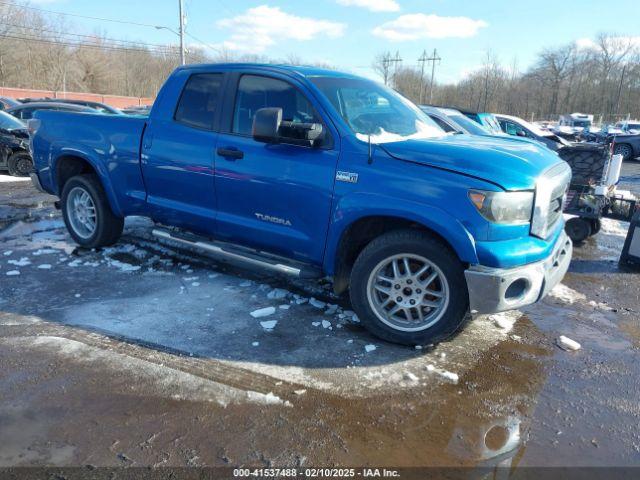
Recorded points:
(533, 128)
(372, 109)
(490, 123)
(9, 122)
(474, 128)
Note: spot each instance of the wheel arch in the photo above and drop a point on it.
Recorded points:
(69, 164)
(352, 234)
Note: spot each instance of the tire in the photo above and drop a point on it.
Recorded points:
(429, 324)
(20, 164)
(578, 229)
(107, 226)
(625, 150)
(596, 225)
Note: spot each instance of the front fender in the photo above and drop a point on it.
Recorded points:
(356, 206)
(88, 155)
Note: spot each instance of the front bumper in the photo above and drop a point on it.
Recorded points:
(494, 290)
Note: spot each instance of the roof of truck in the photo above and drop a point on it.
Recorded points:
(303, 70)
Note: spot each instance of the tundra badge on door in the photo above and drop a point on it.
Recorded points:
(269, 218)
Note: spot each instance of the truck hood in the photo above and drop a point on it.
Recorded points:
(511, 164)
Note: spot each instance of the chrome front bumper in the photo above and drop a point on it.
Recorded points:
(493, 290)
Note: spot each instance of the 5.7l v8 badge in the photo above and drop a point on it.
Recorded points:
(348, 177)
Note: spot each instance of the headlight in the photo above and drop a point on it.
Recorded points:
(503, 207)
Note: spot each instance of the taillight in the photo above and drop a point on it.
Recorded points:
(33, 125)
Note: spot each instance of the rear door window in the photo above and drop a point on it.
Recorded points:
(199, 100)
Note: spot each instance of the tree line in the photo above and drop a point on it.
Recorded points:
(600, 77)
(603, 77)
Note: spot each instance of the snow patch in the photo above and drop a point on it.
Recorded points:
(566, 294)
(505, 320)
(369, 348)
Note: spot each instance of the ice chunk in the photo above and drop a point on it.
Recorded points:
(410, 377)
(269, 324)
(326, 324)
(44, 266)
(7, 253)
(23, 262)
(317, 303)
(285, 307)
(246, 283)
(277, 294)
(263, 312)
(453, 377)
(195, 284)
(566, 343)
(315, 324)
(255, 344)
(43, 251)
(13, 273)
(370, 348)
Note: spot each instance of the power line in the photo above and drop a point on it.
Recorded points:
(88, 45)
(113, 20)
(132, 42)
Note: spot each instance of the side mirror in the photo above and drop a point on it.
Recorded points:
(305, 134)
(266, 125)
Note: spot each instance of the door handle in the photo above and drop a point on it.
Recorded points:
(231, 153)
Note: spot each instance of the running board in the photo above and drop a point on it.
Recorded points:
(242, 255)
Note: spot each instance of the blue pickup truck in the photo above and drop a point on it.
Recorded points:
(311, 173)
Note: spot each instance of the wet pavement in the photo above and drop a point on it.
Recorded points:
(145, 354)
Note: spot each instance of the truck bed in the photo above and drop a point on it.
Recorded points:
(110, 143)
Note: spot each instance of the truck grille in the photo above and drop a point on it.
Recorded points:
(551, 189)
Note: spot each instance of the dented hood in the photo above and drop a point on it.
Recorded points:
(511, 164)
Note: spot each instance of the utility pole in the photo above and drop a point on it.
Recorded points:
(422, 60)
(434, 58)
(396, 60)
(182, 55)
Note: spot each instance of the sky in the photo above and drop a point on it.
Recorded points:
(349, 33)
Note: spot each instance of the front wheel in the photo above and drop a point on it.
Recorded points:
(578, 229)
(87, 213)
(624, 150)
(19, 164)
(409, 288)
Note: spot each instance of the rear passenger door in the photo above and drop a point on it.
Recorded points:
(178, 155)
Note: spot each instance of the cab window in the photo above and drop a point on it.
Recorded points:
(199, 100)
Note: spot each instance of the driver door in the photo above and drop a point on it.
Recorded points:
(274, 197)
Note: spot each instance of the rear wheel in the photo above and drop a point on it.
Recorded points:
(87, 213)
(20, 164)
(578, 229)
(596, 225)
(409, 288)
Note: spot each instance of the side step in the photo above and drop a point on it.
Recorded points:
(241, 255)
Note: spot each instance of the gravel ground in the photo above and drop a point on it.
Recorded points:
(148, 355)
